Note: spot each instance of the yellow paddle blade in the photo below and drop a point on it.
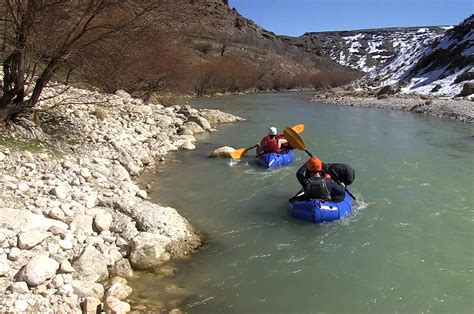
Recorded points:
(238, 153)
(298, 128)
(294, 139)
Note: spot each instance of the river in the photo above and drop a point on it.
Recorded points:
(408, 245)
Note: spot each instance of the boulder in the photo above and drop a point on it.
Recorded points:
(39, 269)
(24, 220)
(86, 289)
(217, 116)
(91, 305)
(122, 268)
(114, 305)
(119, 290)
(147, 250)
(223, 151)
(91, 265)
(467, 89)
(387, 89)
(32, 238)
(202, 122)
(194, 127)
(102, 221)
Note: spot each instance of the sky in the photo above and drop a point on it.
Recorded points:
(295, 17)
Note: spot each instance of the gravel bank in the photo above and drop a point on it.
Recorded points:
(461, 110)
(73, 224)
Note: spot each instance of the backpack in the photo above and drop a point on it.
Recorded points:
(315, 187)
(340, 172)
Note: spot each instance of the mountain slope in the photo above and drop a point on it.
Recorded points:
(442, 66)
(363, 50)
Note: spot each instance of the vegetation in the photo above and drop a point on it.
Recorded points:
(146, 48)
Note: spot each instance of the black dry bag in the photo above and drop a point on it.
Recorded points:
(341, 172)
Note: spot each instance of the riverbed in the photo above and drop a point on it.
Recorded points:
(406, 247)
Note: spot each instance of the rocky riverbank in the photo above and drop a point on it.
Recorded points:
(461, 110)
(73, 224)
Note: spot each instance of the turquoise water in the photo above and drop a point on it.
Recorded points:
(407, 247)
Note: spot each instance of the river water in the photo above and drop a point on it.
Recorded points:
(408, 245)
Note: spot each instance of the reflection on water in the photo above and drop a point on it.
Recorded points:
(406, 247)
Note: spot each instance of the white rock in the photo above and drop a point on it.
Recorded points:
(2, 156)
(59, 191)
(147, 249)
(114, 305)
(14, 254)
(142, 194)
(21, 305)
(23, 187)
(85, 173)
(19, 287)
(66, 267)
(66, 289)
(88, 289)
(4, 267)
(102, 221)
(119, 290)
(56, 213)
(29, 156)
(90, 305)
(91, 265)
(39, 269)
(223, 151)
(32, 238)
(2, 237)
(58, 281)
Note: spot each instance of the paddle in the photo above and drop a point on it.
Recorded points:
(239, 153)
(297, 142)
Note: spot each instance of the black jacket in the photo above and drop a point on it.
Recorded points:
(335, 189)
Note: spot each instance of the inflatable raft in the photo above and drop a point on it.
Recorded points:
(269, 160)
(316, 210)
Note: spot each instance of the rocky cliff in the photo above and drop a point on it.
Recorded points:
(363, 50)
(440, 66)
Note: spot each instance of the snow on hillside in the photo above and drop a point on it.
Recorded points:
(366, 50)
(439, 66)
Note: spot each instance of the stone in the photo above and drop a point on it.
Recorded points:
(143, 109)
(91, 265)
(142, 194)
(122, 268)
(32, 238)
(91, 305)
(14, 254)
(56, 213)
(85, 173)
(24, 220)
(59, 191)
(146, 250)
(39, 269)
(126, 98)
(66, 267)
(202, 122)
(19, 287)
(23, 187)
(2, 156)
(102, 221)
(119, 290)
(86, 289)
(194, 127)
(217, 116)
(224, 151)
(82, 223)
(4, 267)
(114, 305)
(21, 305)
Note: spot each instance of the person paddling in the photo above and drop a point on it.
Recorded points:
(317, 185)
(271, 143)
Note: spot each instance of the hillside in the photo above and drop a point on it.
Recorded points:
(363, 50)
(441, 66)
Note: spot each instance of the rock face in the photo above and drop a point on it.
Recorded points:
(439, 66)
(363, 50)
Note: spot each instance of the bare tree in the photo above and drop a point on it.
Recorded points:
(40, 35)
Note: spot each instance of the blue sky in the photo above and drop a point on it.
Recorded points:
(295, 17)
